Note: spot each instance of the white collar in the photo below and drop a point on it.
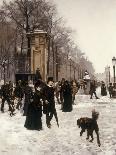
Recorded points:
(49, 85)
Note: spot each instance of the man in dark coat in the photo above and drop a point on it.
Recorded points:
(93, 89)
(6, 93)
(50, 106)
(110, 89)
(19, 93)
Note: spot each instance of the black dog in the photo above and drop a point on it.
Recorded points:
(90, 124)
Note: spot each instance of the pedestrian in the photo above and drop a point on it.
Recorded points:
(57, 91)
(19, 93)
(114, 90)
(74, 90)
(28, 94)
(61, 92)
(110, 89)
(38, 75)
(103, 89)
(6, 93)
(50, 109)
(67, 95)
(93, 89)
(34, 112)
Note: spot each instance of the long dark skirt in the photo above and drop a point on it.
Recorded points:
(67, 105)
(26, 104)
(103, 92)
(33, 118)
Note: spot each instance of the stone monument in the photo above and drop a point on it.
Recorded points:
(39, 52)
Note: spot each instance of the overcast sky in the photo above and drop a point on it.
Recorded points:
(95, 24)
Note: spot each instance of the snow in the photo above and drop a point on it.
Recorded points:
(65, 140)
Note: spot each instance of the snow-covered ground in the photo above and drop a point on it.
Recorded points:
(65, 140)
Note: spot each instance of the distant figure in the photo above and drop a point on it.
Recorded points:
(57, 91)
(110, 89)
(74, 90)
(38, 75)
(93, 89)
(114, 90)
(103, 89)
(19, 93)
(61, 91)
(6, 93)
(67, 95)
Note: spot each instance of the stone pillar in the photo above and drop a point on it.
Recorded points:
(39, 52)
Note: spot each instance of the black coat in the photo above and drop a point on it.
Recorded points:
(92, 88)
(67, 95)
(34, 113)
(18, 92)
(49, 96)
(6, 91)
(103, 90)
(28, 97)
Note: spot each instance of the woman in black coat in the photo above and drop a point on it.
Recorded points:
(67, 95)
(34, 114)
(28, 93)
(103, 90)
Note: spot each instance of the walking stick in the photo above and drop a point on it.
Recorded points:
(56, 117)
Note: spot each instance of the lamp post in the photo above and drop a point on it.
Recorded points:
(114, 63)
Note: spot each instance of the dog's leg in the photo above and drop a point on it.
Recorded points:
(82, 132)
(91, 134)
(98, 140)
(87, 135)
(91, 138)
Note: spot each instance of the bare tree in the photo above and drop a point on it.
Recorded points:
(27, 15)
(7, 43)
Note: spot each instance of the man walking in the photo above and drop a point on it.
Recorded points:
(50, 106)
(6, 93)
(110, 89)
(93, 89)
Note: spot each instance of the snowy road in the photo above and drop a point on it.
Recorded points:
(65, 140)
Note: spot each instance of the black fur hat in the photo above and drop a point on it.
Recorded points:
(37, 84)
(50, 79)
